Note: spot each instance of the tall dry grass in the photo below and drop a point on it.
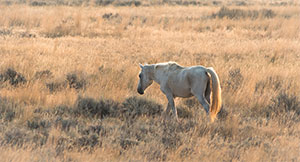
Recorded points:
(89, 55)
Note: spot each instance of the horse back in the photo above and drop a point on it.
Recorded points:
(197, 75)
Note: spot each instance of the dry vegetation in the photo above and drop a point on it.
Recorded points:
(68, 77)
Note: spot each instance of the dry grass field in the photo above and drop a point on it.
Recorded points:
(69, 73)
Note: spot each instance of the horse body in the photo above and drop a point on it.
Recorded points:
(177, 81)
(183, 81)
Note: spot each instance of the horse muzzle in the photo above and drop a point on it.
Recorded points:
(140, 91)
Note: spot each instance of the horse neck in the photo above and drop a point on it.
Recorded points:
(158, 74)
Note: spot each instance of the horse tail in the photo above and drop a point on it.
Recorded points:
(216, 100)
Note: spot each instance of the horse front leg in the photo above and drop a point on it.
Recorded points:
(168, 108)
(171, 105)
(166, 113)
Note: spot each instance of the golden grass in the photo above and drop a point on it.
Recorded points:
(256, 60)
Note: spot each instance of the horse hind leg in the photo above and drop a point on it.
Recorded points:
(203, 102)
(166, 114)
(168, 108)
(199, 93)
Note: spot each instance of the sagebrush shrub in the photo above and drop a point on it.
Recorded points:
(135, 106)
(283, 103)
(235, 79)
(13, 77)
(7, 110)
(89, 107)
(76, 82)
(225, 12)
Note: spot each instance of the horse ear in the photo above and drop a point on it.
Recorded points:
(141, 66)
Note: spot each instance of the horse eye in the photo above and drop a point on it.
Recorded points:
(140, 75)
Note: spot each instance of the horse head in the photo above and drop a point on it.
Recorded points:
(145, 78)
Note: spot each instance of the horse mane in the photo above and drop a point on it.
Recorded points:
(168, 66)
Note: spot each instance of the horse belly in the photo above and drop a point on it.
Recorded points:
(183, 95)
(180, 85)
(182, 91)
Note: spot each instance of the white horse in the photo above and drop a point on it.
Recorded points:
(178, 81)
